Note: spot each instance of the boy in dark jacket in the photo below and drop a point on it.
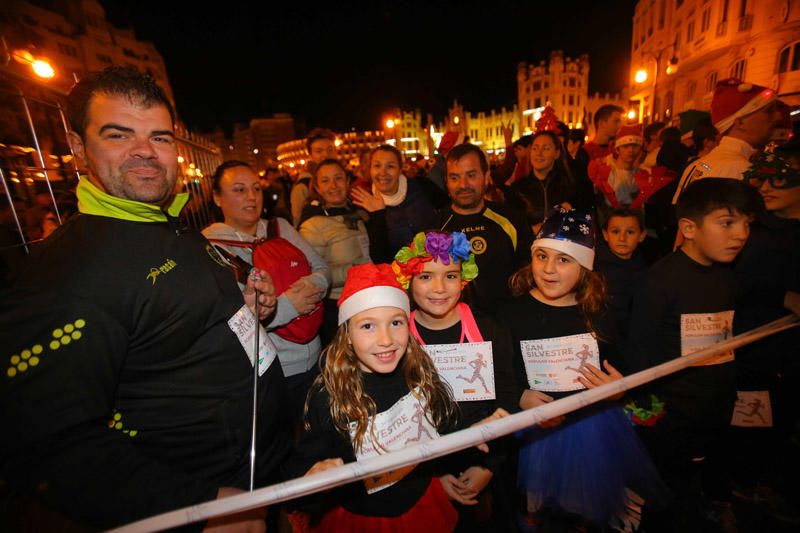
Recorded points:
(687, 304)
(621, 263)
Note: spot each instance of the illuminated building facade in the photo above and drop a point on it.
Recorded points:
(681, 48)
(563, 83)
(75, 41)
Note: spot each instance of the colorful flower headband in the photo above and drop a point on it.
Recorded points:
(442, 247)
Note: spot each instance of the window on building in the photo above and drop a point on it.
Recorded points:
(783, 59)
(796, 57)
(579, 99)
(537, 86)
(691, 90)
(572, 82)
(690, 31)
(104, 58)
(546, 84)
(537, 102)
(662, 12)
(742, 8)
(563, 99)
(650, 25)
(738, 69)
(571, 100)
(724, 15)
(711, 81)
(706, 21)
(678, 3)
(67, 50)
(677, 41)
(569, 117)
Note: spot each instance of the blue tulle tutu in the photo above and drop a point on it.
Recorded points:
(585, 465)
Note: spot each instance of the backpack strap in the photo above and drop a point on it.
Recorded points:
(273, 228)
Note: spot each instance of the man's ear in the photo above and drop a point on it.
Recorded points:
(687, 227)
(76, 143)
(642, 236)
(605, 234)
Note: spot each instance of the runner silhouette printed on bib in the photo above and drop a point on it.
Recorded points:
(403, 424)
(554, 365)
(468, 368)
(701, 330)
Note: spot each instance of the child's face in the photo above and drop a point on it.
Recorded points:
(623, 235)
(719, 239)
(556, 275)
(437, 289)
(379, 337)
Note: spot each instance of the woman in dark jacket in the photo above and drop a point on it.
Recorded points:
(398, 207)
(550, 182)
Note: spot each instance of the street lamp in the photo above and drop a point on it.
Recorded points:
(672, 67)
(43, 69)
(641, 76)
(390, 124)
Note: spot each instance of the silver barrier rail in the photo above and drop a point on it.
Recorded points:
(444, 445)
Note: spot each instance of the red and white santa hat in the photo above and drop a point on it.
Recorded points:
(629, 135)
(369, 286)
(735, 99)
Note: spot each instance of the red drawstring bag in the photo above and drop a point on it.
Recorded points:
(285, 263)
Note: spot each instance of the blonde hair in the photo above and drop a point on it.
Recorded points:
(342, 377)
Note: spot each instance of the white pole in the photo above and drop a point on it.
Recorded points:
(444, 445)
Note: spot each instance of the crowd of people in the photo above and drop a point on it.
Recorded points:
(403, 300)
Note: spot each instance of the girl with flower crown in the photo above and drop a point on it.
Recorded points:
(378, 391)
(580, 467)
(472, 353)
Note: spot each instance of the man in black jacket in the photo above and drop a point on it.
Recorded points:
(128, 390)
(500, 236)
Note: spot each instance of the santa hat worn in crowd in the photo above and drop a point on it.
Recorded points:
(629, 135)
(548, 121)
(368, 286)
(735, 99)
(569, 231)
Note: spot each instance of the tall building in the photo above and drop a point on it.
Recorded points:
(485, 129)
(563, 83)
(257, 142)
(681, 48)
(74, 40)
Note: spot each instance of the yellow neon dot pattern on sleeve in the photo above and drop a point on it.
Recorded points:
(116, 423)
(30, 357)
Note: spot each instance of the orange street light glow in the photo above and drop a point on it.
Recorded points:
(641, 76)
(43, 69)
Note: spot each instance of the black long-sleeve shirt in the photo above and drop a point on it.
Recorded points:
(322, 441)
(135, 397)
(530, 319)
(678, 285)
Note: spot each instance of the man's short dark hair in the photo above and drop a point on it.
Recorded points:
(577, 135)
(462, 150)
(625, 212)
(140, 89)
(704, 130)
(318, 134)
(605, 112)
(706, 195)
(652, 130)
(524, 141)
(217, 177)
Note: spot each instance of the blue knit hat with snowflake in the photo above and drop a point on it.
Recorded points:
(569, 231)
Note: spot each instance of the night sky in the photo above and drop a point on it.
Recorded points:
(340, 65)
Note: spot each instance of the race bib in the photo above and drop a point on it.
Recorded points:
(467, 368)
(243, 324)
(554, 365)
(363, 243)
(404, 424)
(701, 330)
(752, 410)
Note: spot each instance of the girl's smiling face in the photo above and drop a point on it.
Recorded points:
(379, 337)
(556, 276)
(437, 289)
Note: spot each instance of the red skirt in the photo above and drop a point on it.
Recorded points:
(433, 512)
